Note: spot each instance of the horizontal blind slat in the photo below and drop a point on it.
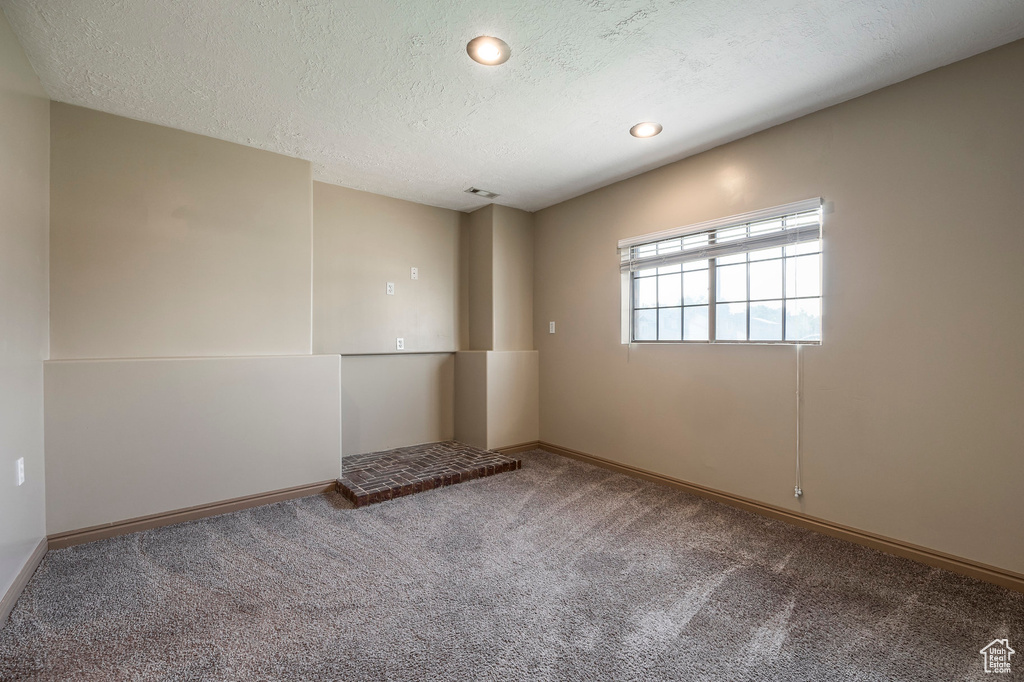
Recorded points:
(725, 223)
(786, 237)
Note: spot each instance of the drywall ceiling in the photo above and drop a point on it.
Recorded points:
(381, 96)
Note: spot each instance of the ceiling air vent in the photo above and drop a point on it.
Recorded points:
(482, 193)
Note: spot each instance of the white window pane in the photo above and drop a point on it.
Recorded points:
(766, 321)
(646, 292)
(765, 254)
(670, 324)
(735, 258)
(695, 323)
(670, 290)
(732, 283)
(731, 322)
(645, 325)
(804, 247)
(695, 287)
(803, 320)
(769, 295)
(765, 280)
(803, 276)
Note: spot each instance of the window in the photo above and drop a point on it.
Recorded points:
(754, 278)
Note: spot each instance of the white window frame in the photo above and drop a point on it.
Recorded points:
(630, 262)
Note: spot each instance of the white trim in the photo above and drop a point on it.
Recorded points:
(626, 306)
(719, 223)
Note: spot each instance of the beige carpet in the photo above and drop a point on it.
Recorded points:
(559, 571)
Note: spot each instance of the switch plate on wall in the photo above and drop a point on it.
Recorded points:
(391, 289)
(21, 470)
(415, 273)
(551, 327)
(401, 343)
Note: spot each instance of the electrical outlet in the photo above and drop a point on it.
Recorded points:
(551, 327)
(401, 343)
(21, 470)
(391, 289)
(414, 273)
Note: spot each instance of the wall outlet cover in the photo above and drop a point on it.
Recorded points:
(401, 343)
(415, 273)
(391, 289)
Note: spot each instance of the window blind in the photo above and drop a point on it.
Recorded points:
(768, 228)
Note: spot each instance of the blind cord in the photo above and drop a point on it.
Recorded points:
(797, 491)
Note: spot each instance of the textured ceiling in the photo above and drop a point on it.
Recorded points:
(381, 95)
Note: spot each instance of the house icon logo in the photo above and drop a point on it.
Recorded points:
(997, 656)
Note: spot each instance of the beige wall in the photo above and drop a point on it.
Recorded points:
(465, 222)
(499, 267)
(166, 244)
(495, 383)
(513, 412)
(496, 398)
(471, 397)
(480, 250)
(513, 279)
(911, 424)
(362, 241)
(24, 206)
(129, 438)
(391, 401)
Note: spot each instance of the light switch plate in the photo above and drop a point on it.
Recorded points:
(391, 289)
(21, 470)
(551, 327)
(415, 273)
(401, 343)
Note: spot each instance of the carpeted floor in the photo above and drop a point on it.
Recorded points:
(559, 571)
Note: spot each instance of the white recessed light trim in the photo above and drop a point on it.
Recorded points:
(645, 129)
(488, 50)
(482, 193)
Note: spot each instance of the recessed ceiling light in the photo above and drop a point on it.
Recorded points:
(645, 129)
(488, 50)
(482, 193)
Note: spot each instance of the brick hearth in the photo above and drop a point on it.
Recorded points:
(378, 476)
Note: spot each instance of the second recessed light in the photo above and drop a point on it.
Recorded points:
(488, 50)
(645, 129)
